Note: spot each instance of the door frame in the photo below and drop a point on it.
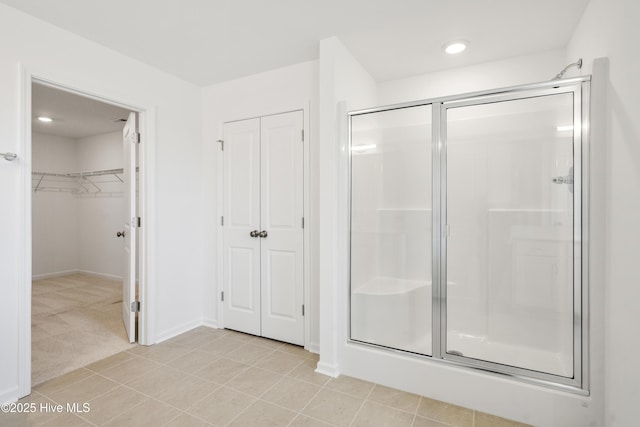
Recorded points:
(146, 195)
(308, 221)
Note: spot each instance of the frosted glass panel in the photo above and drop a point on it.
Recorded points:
(391, 228)
(510, 249)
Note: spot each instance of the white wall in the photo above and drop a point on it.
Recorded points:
(609, 28)
(344, 85)
(286, 89)
(78, 233)
(55, 215)
(508, 72)
(173, 166)
(100, 218)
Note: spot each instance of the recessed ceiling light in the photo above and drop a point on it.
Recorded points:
(45, 119)
(455, 46)
(564, 128)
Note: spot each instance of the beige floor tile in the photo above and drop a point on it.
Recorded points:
(67, 420)
(267, 343)
(186, 420)
(56, 384)
(264, 414)
(163, 353)
(197, 337)
(109, 405)
(446, 413)
(138, 350)
(291, 393)
(333, 407)
(294, 349)
(31, 418)
(426, 422)
(149, 413)
(304, 421)
(282, 363)
(221, 406)
(240, 336)
(221, 346)
(193, 361)
(83, 391)
(395, 398)
(254, 381)
(376, 415)
(306, 372)
(131, 370)
(221, 370)
(249, 354)
(174, 387)
(161, 379)
(486, 420)
(349, 385)
(110, 362)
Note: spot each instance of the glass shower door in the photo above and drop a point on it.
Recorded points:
(391, 228)
(513, 231)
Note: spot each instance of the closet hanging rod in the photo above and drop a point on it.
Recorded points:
(82, 174)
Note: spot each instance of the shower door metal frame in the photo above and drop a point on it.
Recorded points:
(579, 91)
(580, 87)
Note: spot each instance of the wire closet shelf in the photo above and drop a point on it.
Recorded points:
(99, 183)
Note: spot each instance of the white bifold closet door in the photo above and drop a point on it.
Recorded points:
(263, 227)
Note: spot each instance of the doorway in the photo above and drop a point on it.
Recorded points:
(81, 208)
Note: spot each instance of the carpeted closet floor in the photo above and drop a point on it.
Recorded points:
(75, 320)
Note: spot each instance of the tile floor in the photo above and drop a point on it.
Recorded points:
(211, 377)
(75, 320)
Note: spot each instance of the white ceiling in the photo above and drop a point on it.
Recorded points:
(210, 41)
(73, 116)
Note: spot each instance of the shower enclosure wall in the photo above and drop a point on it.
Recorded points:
(467, 238)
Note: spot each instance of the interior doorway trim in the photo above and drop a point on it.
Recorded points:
(146, 189)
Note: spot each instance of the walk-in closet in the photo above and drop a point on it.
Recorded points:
(78, 208)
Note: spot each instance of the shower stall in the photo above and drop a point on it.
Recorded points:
(468, 230)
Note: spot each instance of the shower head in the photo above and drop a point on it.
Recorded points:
(578, 65)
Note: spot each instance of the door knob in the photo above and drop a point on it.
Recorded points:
(120, 234)
(263, 234)
(254, 233)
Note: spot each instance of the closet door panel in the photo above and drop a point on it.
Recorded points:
(130, 143)
(281, 218)
(241, 256)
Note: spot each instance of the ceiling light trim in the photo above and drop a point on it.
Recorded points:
(455, 46)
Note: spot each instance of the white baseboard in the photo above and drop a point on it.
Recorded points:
(211, 323)
(9, 395)
(181, 329)
(55, 274)
(106, 276)
(327, 369)
(76, 271)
